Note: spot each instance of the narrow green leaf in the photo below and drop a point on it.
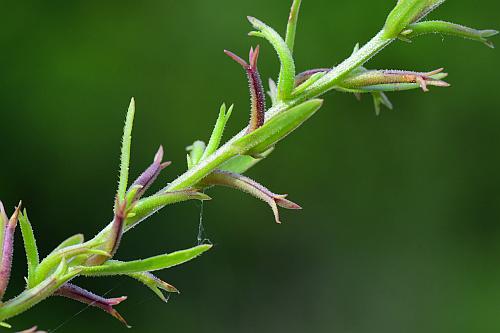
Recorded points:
(2, 324)
(292, 24)
(125, 153)
(164, 261)
(277, 128)
(218, 131)
(451, 29)
(29, 246)
(286, 78)
(154, 283)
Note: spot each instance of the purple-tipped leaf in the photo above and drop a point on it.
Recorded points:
(423, 79)
(4, 220)
(8, 250)
(76, 293)
(376, 78)
(245, 184)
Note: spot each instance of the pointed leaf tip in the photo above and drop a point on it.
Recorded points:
(253, 20)
(125, 151)
(447, 28)
(164, 261)
(3, 214)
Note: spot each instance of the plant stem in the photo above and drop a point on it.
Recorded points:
(323, 85)
(199, 171)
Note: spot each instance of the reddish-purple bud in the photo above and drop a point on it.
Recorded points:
(76, 293)
(257, 94)
(151, 173)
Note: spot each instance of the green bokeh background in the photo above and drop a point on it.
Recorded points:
(400, 230)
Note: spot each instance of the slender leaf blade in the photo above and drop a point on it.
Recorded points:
(155, 263)
(125, 151)
(30, 247)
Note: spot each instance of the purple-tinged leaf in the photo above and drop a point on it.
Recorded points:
(423, 79)
(245, 184)
(376, 79)
(76, 293)
(8, 250)
(117, 229)
(4, 220)
(257, 94)
(304, 76)
(114, 237)
(151, 173)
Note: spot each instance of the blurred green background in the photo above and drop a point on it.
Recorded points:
(400, 230)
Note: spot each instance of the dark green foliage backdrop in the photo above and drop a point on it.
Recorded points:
(400, 228)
